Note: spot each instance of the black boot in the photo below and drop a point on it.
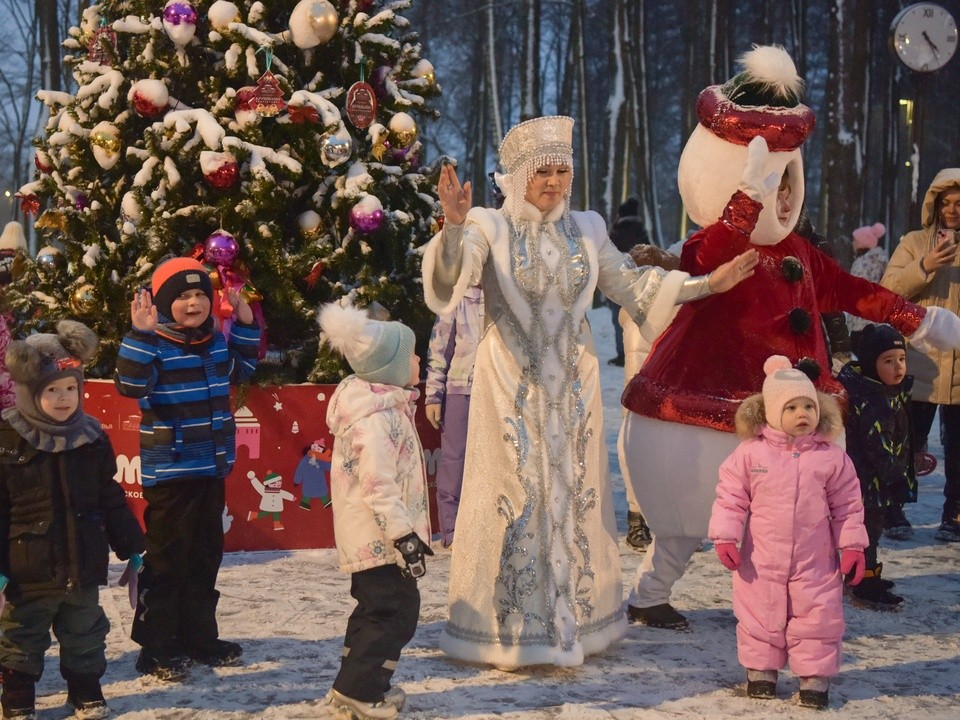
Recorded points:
(949, 530)
(895, 523)
(19, 694)
(638, 534)
(217, 653)
(872, 594)
(85, 694)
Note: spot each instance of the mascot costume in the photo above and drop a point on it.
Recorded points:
(741, 179)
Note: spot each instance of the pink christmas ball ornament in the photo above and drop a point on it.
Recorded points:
(367, 215)
(221, 248)
(149, 97)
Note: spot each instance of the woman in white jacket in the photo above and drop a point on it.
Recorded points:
(379, 491)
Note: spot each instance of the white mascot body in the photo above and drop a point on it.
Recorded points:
(741, 179)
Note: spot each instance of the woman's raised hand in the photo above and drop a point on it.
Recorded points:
(143, 313)
(455, 199)
(732, 272)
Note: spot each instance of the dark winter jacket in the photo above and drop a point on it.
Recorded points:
(60, 513)
(187, 428)
(878, 437)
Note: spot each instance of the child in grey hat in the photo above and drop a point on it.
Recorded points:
(380, 516)
(60, 513)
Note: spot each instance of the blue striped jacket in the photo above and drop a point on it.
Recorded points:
(187, 428)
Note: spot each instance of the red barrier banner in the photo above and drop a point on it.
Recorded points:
(281, 432)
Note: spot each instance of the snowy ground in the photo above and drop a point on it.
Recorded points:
(289, 610)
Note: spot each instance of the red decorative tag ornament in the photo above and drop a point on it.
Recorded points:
(361, 105)
(102, 44)
(268, 97)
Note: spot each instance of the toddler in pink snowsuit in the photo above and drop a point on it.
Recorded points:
(791, 498)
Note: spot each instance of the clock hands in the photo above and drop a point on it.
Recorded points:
(936, 50)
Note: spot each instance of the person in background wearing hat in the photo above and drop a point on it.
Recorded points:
(61, 511)
(381, 519)
(924, 268)
(535, 571)
(12, 241)
(879, 443)
(789, 497)
(179, 366)
(869, 261)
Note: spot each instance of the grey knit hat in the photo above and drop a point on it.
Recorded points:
(40, 359)
(378, 351)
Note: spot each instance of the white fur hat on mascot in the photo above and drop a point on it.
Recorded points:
(763, 100)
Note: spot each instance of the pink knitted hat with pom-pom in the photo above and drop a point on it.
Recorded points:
(782, 384)
(867, 237)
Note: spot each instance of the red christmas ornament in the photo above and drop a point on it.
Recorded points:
(41, 166)
(361, 105)
(143, 105)
(223, 177)
(29, 204)
(268, 96)
(102, 45)
(314, 275)
(303, 113)
(244, 99)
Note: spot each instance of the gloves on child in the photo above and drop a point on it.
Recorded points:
(728, 554)
(754, 182)
(414, 552)
(852, 565)
(130, 577)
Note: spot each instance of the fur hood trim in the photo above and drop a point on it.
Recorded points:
(751, 417)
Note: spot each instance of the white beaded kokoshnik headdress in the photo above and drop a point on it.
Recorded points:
(529, 146)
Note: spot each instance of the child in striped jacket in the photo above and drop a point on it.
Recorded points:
(180, 367)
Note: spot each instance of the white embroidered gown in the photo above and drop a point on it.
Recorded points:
(535, 574)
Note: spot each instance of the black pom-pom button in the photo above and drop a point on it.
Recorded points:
(792, 269)
(799, 320)
(809, 367)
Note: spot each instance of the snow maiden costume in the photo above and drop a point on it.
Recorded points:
(535, 576)
(679, 427)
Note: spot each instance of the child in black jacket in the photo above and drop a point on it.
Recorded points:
(61, 510)
(879, 443)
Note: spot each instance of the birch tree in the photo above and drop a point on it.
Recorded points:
(845, 123)
(530, 61)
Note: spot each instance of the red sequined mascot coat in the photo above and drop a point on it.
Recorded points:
(679, 427)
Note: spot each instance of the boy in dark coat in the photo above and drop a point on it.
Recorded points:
(61, 510)
(878, 442)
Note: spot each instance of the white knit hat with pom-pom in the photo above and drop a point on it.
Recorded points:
(782, 384)
(378, 351)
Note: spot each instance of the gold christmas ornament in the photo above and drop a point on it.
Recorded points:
(53, 219)
(424, 69)
(403, 131)
(105, 144)
(83, 300)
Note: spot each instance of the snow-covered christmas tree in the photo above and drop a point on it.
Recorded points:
(275, 141)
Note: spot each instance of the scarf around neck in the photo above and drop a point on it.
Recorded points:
(47, 435)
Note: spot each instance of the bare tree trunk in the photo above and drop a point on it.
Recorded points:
(49, 29)
(491, 45)
(530, 61)
(646, 183)
(842, 193)
(478, 133)
(583, 196)
(613, 152)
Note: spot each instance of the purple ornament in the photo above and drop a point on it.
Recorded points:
(378, 79)
(365, 219)
(81, 202)
(221, 249)
(180, 12)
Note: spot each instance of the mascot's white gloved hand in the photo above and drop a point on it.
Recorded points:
(939, 330)
(753, 181)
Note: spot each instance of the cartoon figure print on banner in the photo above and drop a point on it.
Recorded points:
(272, 496)
(313, 474)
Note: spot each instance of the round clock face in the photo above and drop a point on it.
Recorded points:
(924, 36)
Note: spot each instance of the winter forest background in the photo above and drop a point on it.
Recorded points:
(629, 72)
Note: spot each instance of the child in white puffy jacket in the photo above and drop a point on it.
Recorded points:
(380, 511)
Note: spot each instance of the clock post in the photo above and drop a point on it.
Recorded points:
(923, 36)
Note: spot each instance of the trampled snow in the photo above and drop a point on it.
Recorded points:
(289, 610)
